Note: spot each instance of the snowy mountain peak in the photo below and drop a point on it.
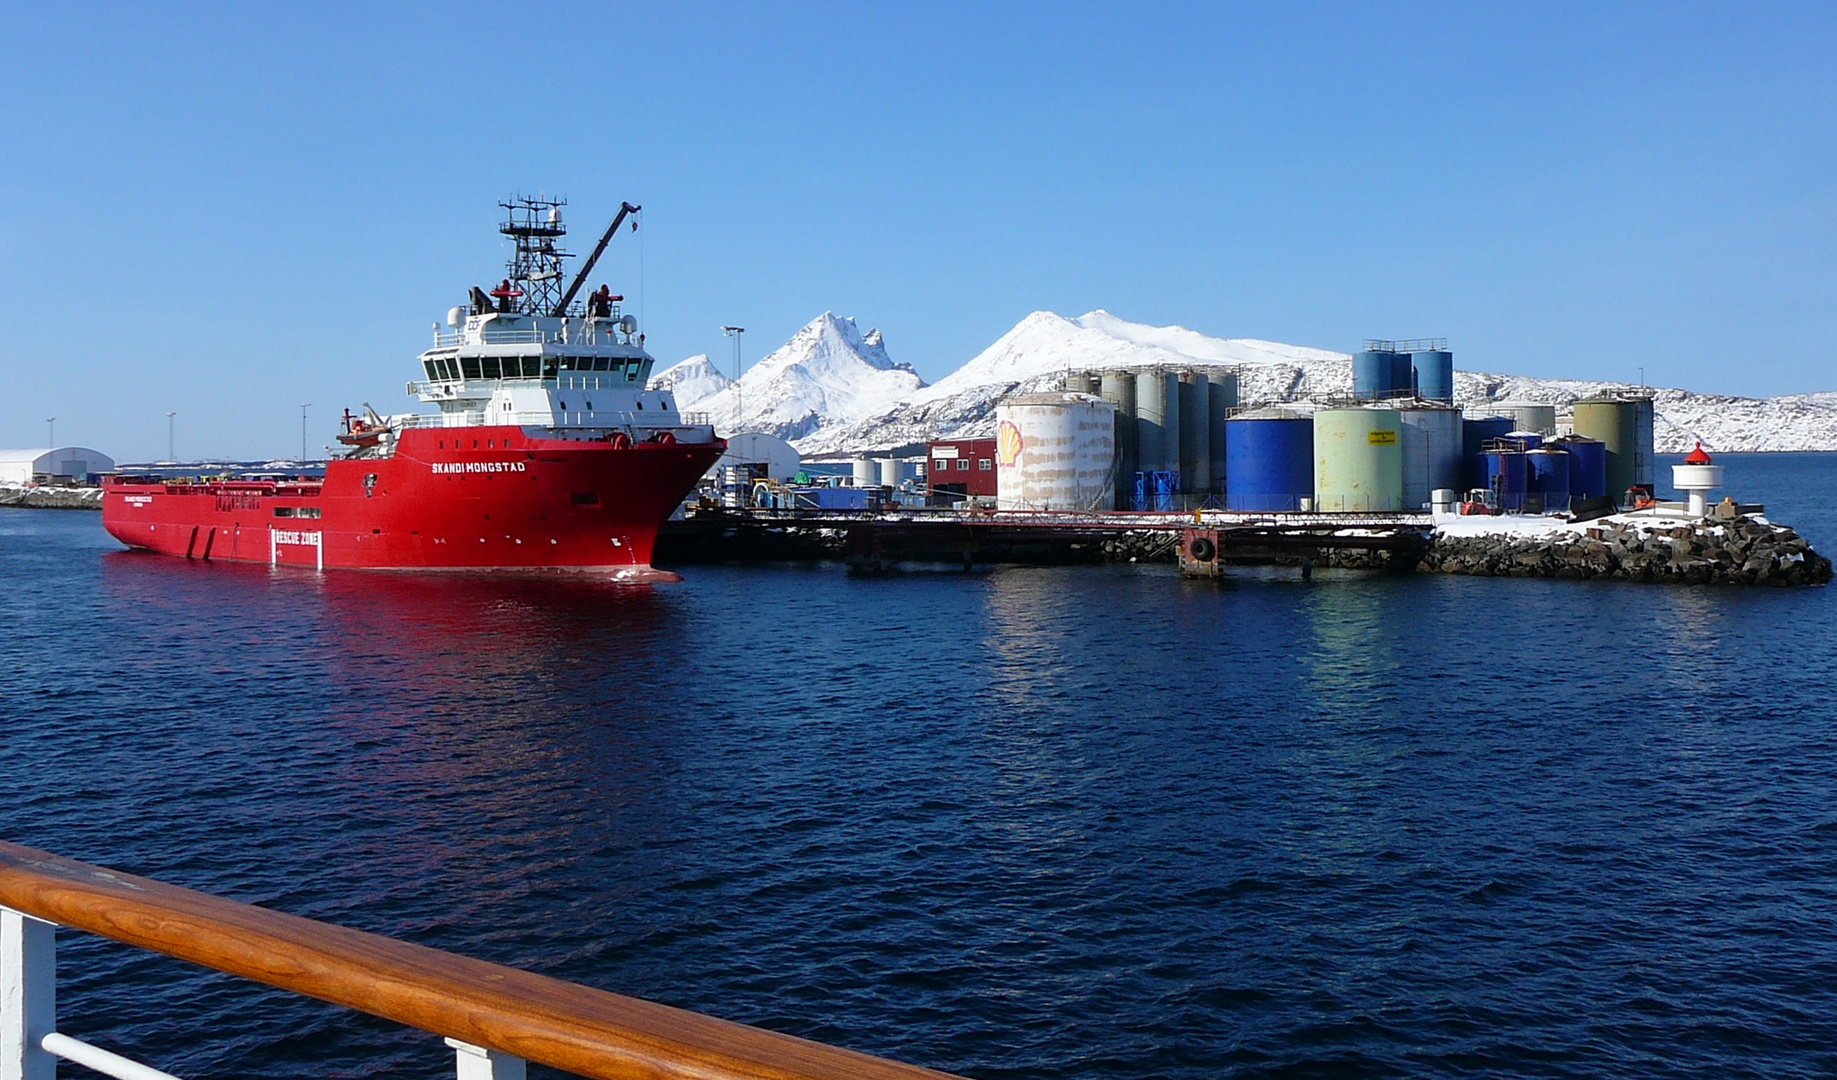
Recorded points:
(692, 379)
(829, 373)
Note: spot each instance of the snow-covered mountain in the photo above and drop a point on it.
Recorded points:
(828, 375)
(1043, 347)
(694, 379)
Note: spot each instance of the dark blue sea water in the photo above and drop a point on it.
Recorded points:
(1075, 822)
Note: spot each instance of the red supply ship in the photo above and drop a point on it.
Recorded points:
(547, 453)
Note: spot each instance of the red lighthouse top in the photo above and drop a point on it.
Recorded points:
(1697, 456)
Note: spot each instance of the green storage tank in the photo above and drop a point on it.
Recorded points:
(1358, 461)
(1624, 428)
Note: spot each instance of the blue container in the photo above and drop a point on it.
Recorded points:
(1474, 434)
(1166, 482)
(1434, 372)
(1547, 479)
(1271, 463)
(1374, 376)
(841, 498)
(1587, 466)
(1506, 478)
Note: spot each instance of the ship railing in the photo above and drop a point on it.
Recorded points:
(495, 1018)
(576, 330)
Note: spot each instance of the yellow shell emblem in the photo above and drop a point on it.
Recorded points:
(1008, 443)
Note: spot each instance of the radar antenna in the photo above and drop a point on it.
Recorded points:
(535, 267)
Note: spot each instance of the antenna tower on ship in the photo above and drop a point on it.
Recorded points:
(535, 267)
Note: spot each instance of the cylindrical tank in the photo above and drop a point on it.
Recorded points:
(1587, 466)
(1547, 479)
(1054, 452)
(1536, 416)
(1613, 422)
(1271, 452)
(1475, 433)
(1118, 388)
(1645, 464)
(1432, 443)
(1081, 382)
(1358, 461)
(864, 472)
(1527, 440)
(1506, 478)
(1195, 439)
(1221, 398)
(892, 471)
(1434, 371)
(1374, 375)
(1157, 427)
(1403, 376)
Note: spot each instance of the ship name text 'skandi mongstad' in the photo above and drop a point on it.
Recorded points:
(547, 452)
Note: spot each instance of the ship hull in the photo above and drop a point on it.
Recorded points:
(473, 498)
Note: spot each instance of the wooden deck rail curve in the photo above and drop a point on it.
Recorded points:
(565, 1025)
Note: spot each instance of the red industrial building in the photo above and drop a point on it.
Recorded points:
(960, 469)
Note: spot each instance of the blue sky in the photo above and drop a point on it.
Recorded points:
(228, 211)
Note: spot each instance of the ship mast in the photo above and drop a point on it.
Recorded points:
(535, 266)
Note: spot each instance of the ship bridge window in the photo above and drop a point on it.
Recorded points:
(433, 370)
(468, 366)
(531, 367)
(548, 367)
(492, 370)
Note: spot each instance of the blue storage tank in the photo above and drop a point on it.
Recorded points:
(1269, 454)
(1547, 479)
(1403, 376)
(1587, 466)
(1506, 478)
(1373, 377)
(1531, 440)
(1474, 434)
(1434, 371)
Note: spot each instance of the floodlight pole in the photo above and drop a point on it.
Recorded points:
(739, 393)
(171, 455)
(51, 432)
(304, 405)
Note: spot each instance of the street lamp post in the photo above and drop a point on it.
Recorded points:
(51, 432)
(739, 393)
(304, 405)
(170, 454)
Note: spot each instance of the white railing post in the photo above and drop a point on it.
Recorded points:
(478, 1063)
(28, 996)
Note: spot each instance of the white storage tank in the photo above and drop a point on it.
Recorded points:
(864, 472)
(892, 472)
(1432, 456)
(1055, 452)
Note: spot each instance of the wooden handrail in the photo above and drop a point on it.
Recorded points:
(565, 1025)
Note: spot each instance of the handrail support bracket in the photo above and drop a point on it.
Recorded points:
(478, 1063)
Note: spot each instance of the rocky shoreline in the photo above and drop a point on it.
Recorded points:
(52, 498)
(1731, 551)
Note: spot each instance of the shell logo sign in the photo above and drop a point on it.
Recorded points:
(1008, 444)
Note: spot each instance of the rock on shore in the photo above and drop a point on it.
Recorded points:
(1735, 551)
(51, 498)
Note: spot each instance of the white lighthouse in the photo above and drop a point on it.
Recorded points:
(1696, 476)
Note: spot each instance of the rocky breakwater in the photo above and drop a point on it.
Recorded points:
(1733, 551)
(51, 498)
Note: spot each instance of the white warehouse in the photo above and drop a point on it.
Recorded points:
(65, 462)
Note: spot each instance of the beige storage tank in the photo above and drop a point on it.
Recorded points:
(1055, 452)
(1537, 416)
(1358, 461)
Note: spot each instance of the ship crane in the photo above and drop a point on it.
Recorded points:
(580, 279)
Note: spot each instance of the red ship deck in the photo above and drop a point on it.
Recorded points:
(447, 499)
